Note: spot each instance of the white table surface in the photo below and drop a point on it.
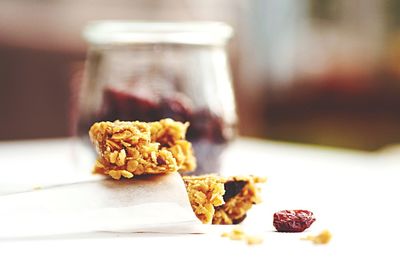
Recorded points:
(354, 195)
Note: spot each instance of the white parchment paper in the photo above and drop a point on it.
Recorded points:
(47, 188)
(146, 204)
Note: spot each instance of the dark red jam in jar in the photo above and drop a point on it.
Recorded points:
(208, 132)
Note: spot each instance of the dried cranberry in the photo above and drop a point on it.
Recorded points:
(293, 220)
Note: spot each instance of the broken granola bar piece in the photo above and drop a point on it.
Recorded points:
(205, 193)
(241, 193)
(226, 205)
(133, 148)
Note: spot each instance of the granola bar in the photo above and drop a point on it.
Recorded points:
(205, 193)
(133, 148)
(222, 200)
(242, 192)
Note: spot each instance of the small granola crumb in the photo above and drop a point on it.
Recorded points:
(323, 238)
(235, 234)
(254, 240)
(239, 234)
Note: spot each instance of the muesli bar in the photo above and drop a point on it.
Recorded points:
(222, 200)
(126, 149)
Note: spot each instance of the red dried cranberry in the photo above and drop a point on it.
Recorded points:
(293, 220)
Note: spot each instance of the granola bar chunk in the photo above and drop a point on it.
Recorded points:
(205, 193)
(127, 148)
(242, 192)
(222, 200)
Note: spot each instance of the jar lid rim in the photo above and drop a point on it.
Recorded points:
(178, 32)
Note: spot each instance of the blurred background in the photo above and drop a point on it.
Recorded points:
(322, 72)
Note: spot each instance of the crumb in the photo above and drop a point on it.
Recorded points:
(235, 234)
(239, 234)
(323, 238)
(254, 240)
(38, 187)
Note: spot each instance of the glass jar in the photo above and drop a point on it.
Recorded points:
(148, 71)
